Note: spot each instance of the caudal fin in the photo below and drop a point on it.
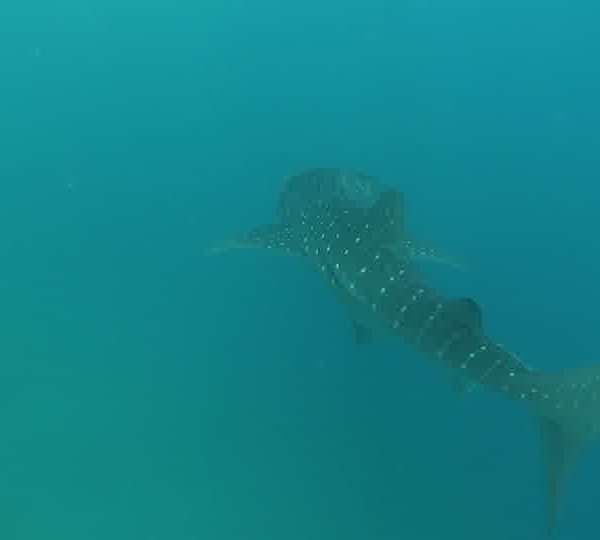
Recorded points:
(569, 407)
(561, 450)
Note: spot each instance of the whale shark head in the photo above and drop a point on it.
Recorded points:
(341, 188)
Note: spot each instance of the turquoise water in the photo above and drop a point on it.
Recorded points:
(149, 392)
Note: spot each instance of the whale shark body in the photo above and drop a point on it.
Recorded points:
(351, 230)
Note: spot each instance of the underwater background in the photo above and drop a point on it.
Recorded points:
(150, 392)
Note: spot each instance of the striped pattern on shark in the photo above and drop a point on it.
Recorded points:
(355, 249)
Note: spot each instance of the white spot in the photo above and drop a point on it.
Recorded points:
(357, 240)
(363, 270)
(337, 266)
(345, 252)
(383, 290)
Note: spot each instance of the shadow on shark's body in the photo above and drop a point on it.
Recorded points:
(351, 230)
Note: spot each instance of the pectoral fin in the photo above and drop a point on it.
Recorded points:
(279, 238)
(420, 251)
(362, 334)
(460, 384)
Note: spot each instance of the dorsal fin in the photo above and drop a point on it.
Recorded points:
(386, 217)
(468, 311)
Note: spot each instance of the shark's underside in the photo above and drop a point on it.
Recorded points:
(353, 234)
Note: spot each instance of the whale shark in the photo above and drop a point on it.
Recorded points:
(353, 233)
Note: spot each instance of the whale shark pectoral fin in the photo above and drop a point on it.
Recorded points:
(419, 251)
(460, 384)
(362, 334)
(279, 238)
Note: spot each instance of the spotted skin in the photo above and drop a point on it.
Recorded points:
(355, 250)
(344, 188)
(312, 191)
